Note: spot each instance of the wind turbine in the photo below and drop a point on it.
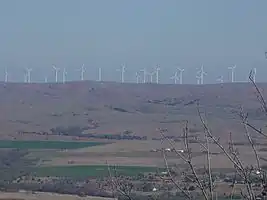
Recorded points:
(151, 76)
(99, 74)
(137, 76)
(157, 74)
(180, 75)
(201, 74)
(64, 75)
(144, 74)
(122, 70)
(254, 74)
(56, 72)
(45, 79)
(6, 75)
(232, 68)
(220, 79)
(175, 77)
(82, 72)
(28, 75)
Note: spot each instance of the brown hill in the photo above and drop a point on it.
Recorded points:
(111, 108)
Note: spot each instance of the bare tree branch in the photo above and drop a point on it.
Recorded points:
(187, 160)
(186, 193)
(237, 163)
(244, 118)
(259, 95)
(206, 128)
(118, 185)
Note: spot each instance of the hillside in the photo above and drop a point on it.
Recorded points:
(111, 108)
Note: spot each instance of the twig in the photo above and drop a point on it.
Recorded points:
(237, 164)
(172, 179)
(259, 95)
(256, 129)
(244, 118)
(216, 141)
(209, 167)
(188, 161)
(121, 188)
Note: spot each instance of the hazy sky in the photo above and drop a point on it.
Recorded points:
(138, 33)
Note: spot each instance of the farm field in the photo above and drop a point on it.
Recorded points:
(16, 144)
(139, 153)
(91, 171)
(94, 168)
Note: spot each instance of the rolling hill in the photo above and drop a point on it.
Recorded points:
(114, 108)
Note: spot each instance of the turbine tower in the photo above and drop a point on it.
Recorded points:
(180, 75)
(82, 72)
(6, 75)
(122, 70)
(157, 74)
(220, 79)
(144, 74)
(201, 74)
(254, 74)
(137, 76)
(56, 72)
(64, 75)
(28, 75)
(99, 74)
(198, 79)
(175, 77)
(151, 76)
(232, 68)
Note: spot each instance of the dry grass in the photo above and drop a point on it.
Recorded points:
(44, 196)
(40, 107)
(137, 153)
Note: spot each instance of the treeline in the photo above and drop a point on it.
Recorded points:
(77, 131)
(116, 137)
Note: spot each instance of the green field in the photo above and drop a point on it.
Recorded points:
(14, 144)
(90, 171)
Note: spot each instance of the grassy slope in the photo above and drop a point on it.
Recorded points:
(43, 196)
(46, 144)
(40, 107)
(91, 171)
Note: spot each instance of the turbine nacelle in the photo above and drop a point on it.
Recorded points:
(220, 79)
(232, 67)
(180, 70)
(55, 68)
